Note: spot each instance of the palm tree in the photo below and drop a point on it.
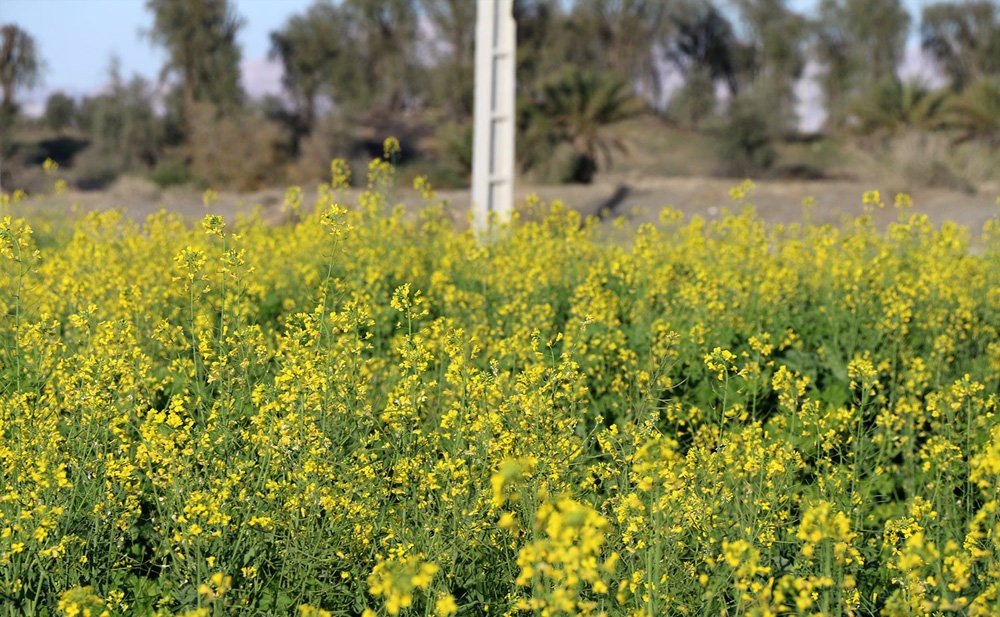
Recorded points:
(572, 109)
(893, 105)
(976, 112)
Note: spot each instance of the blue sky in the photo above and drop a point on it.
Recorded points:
(77, 39)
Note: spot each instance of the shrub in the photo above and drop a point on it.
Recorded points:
(746, 141)
(170, 173)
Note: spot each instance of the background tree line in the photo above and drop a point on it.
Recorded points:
(355, 70)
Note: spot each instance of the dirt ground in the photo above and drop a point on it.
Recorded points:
(639, 199)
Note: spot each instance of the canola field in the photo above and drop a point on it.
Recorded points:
(366, 411)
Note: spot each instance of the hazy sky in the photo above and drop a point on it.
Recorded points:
(77, 39)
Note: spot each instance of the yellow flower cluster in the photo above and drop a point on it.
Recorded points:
(397, 578)
(367, 406)
(820, 523)
(82, 602)
(564, 569)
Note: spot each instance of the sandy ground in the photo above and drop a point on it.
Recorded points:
(638, 199)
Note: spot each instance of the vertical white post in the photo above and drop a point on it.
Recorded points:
(493, 130)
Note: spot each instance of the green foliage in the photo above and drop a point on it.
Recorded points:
(572, 109)
(893, 105)
(199, 37)
(774, 57)
(125, 132)
(222, 152)
(357, 54)
(452, 76)
(457, 148)
(703, 46)
(314, 49)
(95, 171)
(20, 64)
(383, 40)
(976, 111)
(964, 38)
(620, 36)
(695, 101)
(60, 111)
(746, 140)
(545, 45)
(861, 43)
(169, 173)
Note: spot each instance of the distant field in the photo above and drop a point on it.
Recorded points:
(635, 198)
(663, 165)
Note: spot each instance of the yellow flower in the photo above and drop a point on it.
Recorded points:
(305, 610)
(391, 147)
(82, 602)
(445, 605)
(395, 579)
(213, 224)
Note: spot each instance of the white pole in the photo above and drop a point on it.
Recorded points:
(493, 130)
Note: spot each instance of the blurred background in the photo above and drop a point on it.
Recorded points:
(243, 95)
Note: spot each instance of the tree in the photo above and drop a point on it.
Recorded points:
(745, 143)
(620, 35)
(572, 109)
(860, 42)
(20, 65)
(311, 48)
(893, 105)
(964, 39)
(223, 152)
(776, 53)
(200, 39)
(361, 54)
(546, 43)
(452, 47)
(122, 124)
(976, 112)
(702, 39)
(701, 44)
(60, 111)
(383, 36)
